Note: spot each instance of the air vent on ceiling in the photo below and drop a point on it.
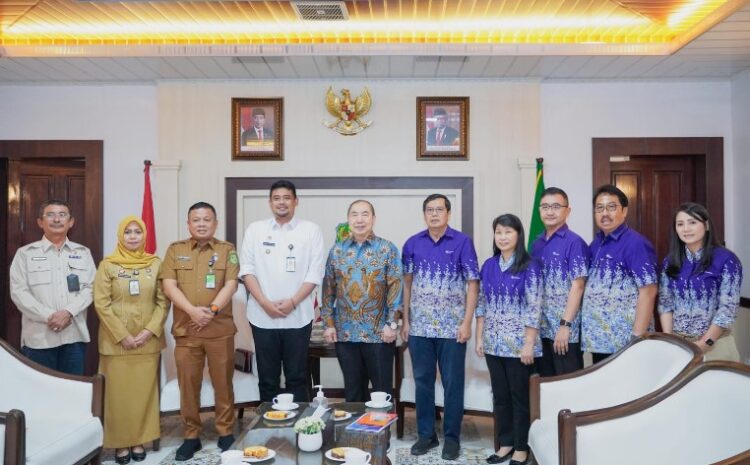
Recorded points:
(321, 10)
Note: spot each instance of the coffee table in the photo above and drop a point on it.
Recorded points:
(280, 436)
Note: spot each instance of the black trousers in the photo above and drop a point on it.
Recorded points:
(510, 395)
(598, 357)
(363, 363)
(552, 364)
(287, 348)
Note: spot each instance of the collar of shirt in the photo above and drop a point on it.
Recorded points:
(291, 224)
(369, 240)
(693, 257)
(614, 235)
(561, 231)
(211, 243)
(505, 265)
(448, 233)
(46, 244)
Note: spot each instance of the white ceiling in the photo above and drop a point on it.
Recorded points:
(721, 52)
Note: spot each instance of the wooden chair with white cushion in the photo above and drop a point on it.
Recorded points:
(477, 387)
(246, 393)
(643, 366)
(702, 417)
(48, 417)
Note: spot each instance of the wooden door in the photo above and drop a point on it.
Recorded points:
(36, 171)
(655, 187)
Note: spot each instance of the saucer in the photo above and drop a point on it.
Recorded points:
(372, 404)
(345, 417)
(271, 454)
(330, 456)
(286, 408)
(288, 416)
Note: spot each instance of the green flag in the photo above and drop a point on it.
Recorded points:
(536, 226)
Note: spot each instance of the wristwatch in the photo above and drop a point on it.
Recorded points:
(393, 325)
(564, 322)
(709, 341)
(214, 309)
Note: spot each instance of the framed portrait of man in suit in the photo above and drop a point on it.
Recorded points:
(257, 131)
(442, 128)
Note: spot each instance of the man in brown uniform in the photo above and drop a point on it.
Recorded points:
(199, 276)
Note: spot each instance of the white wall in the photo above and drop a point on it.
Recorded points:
(574, 113)
(741, 174)
(123, 116)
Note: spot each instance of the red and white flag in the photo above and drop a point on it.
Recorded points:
(147, 213)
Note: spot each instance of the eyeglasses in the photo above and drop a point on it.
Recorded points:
(611, 207)
(555, 207)
(438, 210)
(53, 215)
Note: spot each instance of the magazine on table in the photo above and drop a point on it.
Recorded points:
(372, 422)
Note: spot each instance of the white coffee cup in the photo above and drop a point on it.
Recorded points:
(232, 457)
(380, 398)
(284, 400)
(357, 457)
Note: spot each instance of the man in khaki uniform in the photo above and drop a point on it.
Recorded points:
(199, 276)
(51, 284)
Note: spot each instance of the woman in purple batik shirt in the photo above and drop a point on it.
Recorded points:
(699, 287)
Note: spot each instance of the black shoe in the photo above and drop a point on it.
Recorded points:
(122, 459)
(423, 445)
(494, 458)
(451, 450)
(525, 462)
(138, 456)
(188, 448)
(225, 442)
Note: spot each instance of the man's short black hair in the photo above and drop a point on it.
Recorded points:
(556, 191)
(611, 190)
(283, 184)
(432, 197)
(259, 112)
(439, 111)
(49, 202)
(198, 205)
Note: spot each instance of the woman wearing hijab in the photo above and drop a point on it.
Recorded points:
(132, 310)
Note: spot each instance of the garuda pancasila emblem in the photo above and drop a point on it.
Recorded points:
(348, 113)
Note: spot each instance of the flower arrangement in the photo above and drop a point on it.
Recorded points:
(309, 425)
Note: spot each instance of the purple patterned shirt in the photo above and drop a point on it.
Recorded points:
(440, 271)
(564, 257)
(700, 299)
(621, 263)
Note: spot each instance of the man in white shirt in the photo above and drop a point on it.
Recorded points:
(51, 284)
(281, 261)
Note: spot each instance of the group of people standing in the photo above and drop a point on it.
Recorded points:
(536, 310)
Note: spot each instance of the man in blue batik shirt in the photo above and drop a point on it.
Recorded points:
(441, 287)
(564, 258)
(618, 300)
(361, 304)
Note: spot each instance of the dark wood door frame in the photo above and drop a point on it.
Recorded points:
(712, 148)
(91, 151)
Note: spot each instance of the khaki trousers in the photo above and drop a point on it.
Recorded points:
(190, 355)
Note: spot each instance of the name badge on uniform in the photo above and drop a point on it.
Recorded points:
(291, 262)
(210, 281)
(135, 287)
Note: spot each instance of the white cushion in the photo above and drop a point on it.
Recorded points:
(543, 441)
(704, 422)
(51, 438)
(2, 440)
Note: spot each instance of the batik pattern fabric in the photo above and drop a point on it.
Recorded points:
(621, 263)
(440, 271)
(362, 288)
(509, 302)
(699, 298)
(563, 257)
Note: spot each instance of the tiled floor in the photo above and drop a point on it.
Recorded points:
(476, 443)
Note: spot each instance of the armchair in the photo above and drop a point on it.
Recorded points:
(46, 416)
(699, 418)
(643, 366)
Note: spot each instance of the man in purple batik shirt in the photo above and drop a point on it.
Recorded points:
(618, 301)
(441, 286)
(564, 258)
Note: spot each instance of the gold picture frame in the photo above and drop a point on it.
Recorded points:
(257, 129)
(442, 128)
